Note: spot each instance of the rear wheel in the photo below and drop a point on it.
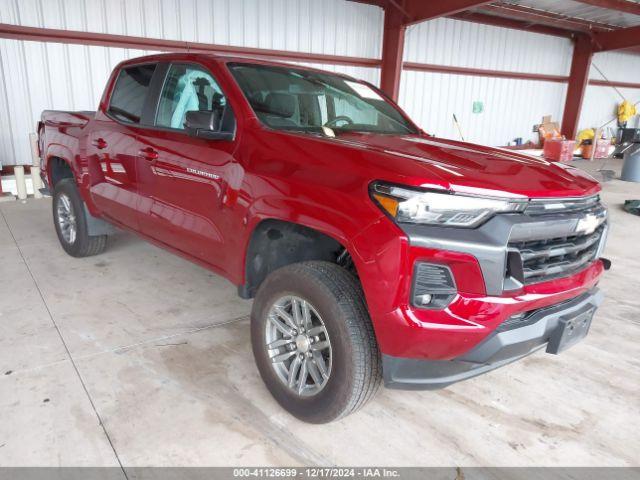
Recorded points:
(70, 220)
(313, 341)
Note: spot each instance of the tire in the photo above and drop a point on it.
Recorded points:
(68, 209)
(351, 359)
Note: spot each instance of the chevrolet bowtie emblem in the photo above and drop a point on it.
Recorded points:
(588, 224)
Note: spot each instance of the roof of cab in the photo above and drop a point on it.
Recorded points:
(186, 56)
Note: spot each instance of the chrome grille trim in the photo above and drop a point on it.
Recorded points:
(544, 260)
(559, 248)
(548, 206)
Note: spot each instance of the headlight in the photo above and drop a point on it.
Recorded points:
(408, 205)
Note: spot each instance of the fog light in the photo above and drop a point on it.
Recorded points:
(424, 299)
(433, 286)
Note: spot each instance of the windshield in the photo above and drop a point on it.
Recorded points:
(302, 100)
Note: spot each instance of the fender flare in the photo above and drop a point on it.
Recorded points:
(309, 215)
(340, 228)
(63, 153)
(95, 226)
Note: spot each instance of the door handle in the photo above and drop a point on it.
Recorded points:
(99, 143)
(149, 153)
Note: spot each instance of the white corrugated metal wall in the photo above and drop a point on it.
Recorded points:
(35, 76)
(511, 107)
(600, 103)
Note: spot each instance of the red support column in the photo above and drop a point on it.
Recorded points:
(578, 81)
(392, 50)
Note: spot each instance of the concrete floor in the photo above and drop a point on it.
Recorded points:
(137, 357)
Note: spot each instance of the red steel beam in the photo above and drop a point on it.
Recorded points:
(398, 15)
(499, 14)
(392, 51)
(377, 3)
(578, 81)
(605, 83)
(504, 22)
(480, 72)
(618, 39)
(18, 32)
(619, 5)
(416, 11)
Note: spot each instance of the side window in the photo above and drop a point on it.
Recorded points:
(130, 92)
(188, 88)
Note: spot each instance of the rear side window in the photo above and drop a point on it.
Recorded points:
(130, 93)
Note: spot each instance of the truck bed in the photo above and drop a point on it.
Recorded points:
(59, 118)
(61, 134)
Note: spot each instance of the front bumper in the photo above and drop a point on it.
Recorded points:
(489, 291)
(505, 345)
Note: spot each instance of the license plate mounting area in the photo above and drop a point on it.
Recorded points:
(570, 330)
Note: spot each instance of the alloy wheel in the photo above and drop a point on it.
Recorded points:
(66, 219)
(298, 345)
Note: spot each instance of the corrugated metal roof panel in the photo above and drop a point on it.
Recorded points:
(583, 11)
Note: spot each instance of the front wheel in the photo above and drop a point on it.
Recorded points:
(70, 220)
(313, 341)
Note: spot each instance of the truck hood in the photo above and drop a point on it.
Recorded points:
(465, 167)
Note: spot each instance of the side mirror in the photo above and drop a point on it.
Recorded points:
(206, 124)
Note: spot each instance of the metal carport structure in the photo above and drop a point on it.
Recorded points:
(605, 25)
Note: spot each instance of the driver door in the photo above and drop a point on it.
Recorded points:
(182, 179)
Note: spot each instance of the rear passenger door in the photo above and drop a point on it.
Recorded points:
(184, 182)
(113, 147)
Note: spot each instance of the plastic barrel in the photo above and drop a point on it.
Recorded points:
(631, 167)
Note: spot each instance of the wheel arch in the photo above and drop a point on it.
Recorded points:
(274, 243)
(59, 168)
(58, 165)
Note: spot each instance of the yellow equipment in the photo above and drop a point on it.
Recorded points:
(626, 110)
(586, 134)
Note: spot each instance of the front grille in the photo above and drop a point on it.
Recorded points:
(557, 257)
(546, 206)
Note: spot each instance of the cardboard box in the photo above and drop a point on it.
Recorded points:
(558, 150)
(548, 129)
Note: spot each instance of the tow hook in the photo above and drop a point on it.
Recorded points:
(606, 263)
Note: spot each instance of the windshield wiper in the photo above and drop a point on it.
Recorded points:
(339, 130)
(315, 131)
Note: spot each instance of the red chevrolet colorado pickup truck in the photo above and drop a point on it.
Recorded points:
(373, 250)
